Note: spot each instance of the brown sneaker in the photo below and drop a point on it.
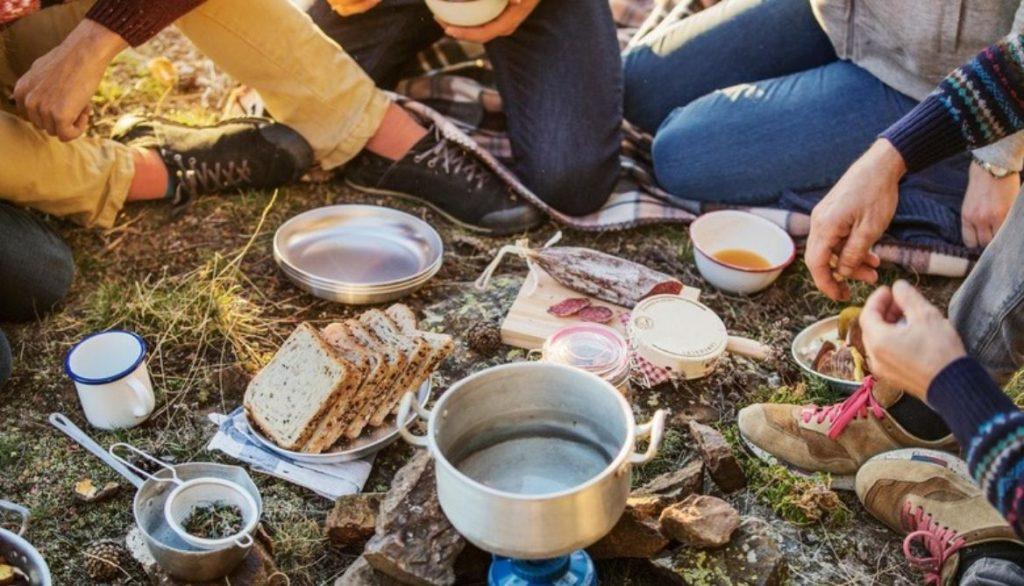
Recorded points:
(929, 497)
(835, 439)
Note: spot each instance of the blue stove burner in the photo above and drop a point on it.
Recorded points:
(575, 569)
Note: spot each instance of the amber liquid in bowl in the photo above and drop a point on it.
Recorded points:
(739, 257)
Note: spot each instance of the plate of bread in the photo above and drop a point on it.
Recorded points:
(330, 394)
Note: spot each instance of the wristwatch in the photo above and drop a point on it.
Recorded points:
(994, 170)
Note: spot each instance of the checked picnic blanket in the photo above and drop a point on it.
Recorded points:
(450, 84)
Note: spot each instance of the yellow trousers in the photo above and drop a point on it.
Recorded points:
(305, 79)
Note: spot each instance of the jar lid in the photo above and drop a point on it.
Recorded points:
(591, 347)
(668, 328)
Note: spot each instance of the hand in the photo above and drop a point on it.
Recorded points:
(986, 205)
(56, 91)
(852, 218)
(506, 23)
(911, 353)
(351, 7)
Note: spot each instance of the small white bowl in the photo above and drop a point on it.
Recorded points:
(729, 229)
(467, 12)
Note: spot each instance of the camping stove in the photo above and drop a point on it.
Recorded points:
(575, 569)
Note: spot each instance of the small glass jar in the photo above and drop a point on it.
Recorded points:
(594, 348)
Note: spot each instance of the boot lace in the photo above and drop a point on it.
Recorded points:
(197, 177)
(860, 404)
(455, 160)
(938, 541)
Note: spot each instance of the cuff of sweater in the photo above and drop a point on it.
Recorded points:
(136, 21)
(926, 135)
(966, 397)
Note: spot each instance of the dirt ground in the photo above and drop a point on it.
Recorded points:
(202, 288)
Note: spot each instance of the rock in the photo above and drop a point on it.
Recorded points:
(722, 465)
(257, 568)
(754, 557)
(414, 542)
(700, 521)
(88, 492)
(361, 573)
(636, 534)
(353, 520)
(678, 484)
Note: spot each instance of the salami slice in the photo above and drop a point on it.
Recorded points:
(569, 307)
(596, 314)
(665, 288)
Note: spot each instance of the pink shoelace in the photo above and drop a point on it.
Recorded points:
(859, 405)
(940, 542)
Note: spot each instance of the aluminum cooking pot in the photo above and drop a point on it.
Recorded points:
(534, 459)
(19, 553)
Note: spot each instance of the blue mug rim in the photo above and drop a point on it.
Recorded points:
(143, 348)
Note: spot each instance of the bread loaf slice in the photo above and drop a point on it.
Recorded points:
(441, 345)
(286, 400)
(416, 349)
(397, 364)
(332, 427)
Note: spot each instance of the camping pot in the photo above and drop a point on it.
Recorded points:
(533, 460)
(20, 553)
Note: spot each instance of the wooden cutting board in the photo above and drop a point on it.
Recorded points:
(528, 323)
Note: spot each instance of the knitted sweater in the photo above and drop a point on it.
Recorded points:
(976, 105)
(990, 428)
(135, 20)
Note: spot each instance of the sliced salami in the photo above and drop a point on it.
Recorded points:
(569, 307)
(596, 314)
(665, 288)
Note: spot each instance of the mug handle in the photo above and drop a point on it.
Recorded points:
(244, 541)
(409, 402)
(146, 401)
(655, 428)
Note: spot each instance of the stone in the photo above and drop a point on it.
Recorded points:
(754, 557)
(700, 521)
(636, 535)
(361, 573)
(257, 568)
(414, 541)
(721, 463)
(353, 520)
(678, 484)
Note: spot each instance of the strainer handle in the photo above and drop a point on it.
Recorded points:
(244, 541)
(655, 429)
(20, 510)
(409, 403)
(113, 453)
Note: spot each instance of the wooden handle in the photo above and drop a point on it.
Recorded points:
(747, 347)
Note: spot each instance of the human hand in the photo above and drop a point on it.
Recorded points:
(852, 218)
(351, 7)
(56, 91)
(908, 354)
(504, 25)
(986, 205)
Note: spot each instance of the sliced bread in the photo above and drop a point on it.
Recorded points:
(441, 345)
(416, 349)
(287, 399)
(397, 364)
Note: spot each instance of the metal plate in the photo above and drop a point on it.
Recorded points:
(368, 443)
(357, 246)
(806, 345)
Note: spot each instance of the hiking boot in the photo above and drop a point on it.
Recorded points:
(835, 439)
(929, 497)
(450, 179)
(242, 153)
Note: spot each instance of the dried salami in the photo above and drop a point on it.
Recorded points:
(665, 288)
(596, 314)
(606, 277)
(569, 307)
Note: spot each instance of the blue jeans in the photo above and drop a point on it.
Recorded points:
(750, 103)
(36, 270)
(559, 75)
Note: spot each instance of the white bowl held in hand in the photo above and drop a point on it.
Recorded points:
(716, 232)
(467, 12)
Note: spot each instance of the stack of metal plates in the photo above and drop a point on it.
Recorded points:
(358, 254)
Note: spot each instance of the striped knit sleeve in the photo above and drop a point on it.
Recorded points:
(990, 428)
(975, 105)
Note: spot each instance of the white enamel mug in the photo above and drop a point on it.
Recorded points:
(110, 373)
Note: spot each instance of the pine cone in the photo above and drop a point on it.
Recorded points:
(103, 560)
(484, 338)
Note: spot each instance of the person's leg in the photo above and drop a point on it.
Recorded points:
(383, 40)
(560, 78)
(36, 266)
(988, 309)
(993, 572)
(749, 143)
(733, 42)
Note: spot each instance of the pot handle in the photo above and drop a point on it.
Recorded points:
(20, 510)
(655, 428)
(409, 402)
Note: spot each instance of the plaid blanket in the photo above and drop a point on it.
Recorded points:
(452, 85)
